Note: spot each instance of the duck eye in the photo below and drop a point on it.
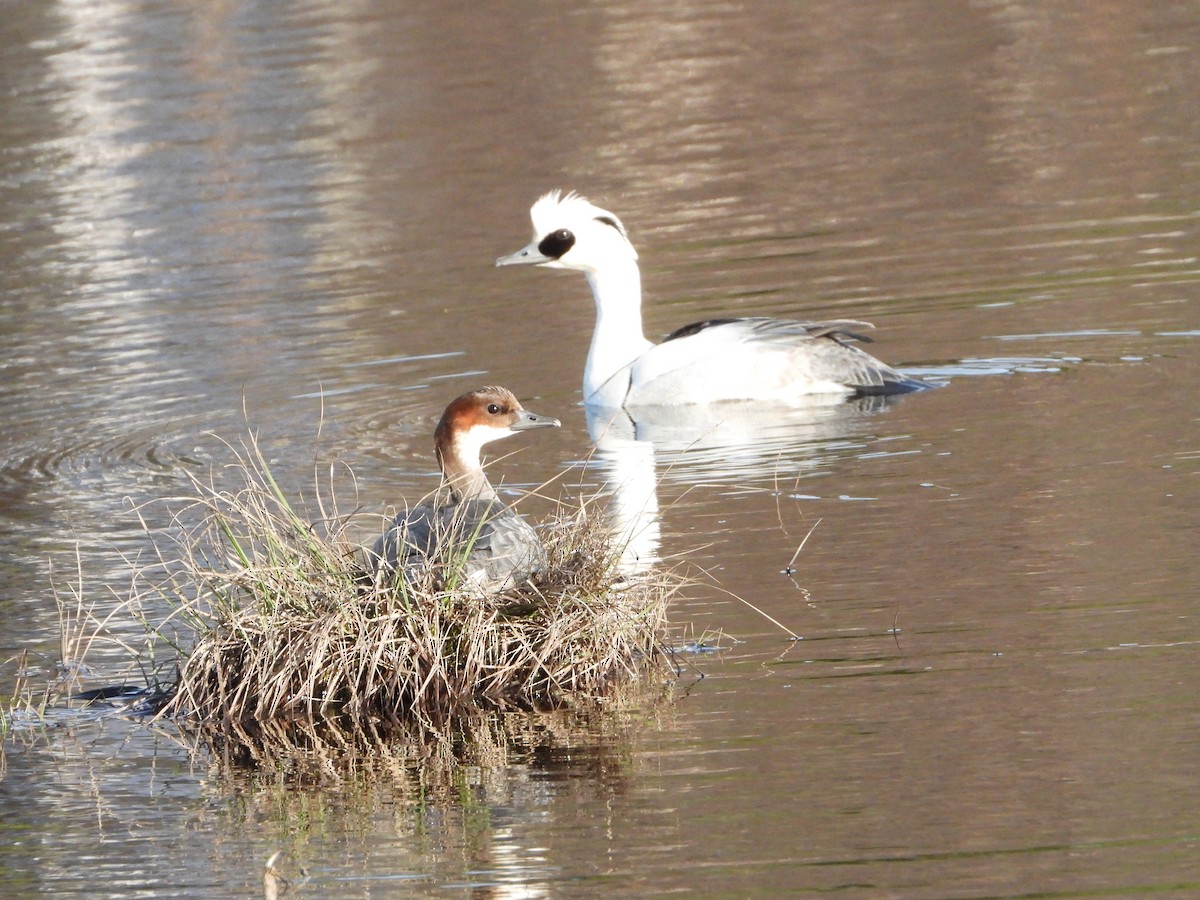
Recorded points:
(493, 409)
(556, 243)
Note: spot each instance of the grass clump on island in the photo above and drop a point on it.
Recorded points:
(289, 627)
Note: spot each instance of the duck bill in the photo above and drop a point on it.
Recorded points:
(529, 255)
(527, 420)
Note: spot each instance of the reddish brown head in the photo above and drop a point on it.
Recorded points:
(473, 420)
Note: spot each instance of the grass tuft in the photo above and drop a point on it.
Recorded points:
(290, 629)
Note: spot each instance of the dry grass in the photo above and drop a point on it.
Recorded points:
(41, 686)
(291, 631)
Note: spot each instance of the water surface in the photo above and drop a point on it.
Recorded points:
(224, 218)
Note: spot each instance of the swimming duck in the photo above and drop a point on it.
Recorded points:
(717, 359)
(466, 521)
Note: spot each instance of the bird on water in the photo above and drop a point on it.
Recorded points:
(466, 524)
(756, 359)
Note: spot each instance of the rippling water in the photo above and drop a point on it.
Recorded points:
(225, 218)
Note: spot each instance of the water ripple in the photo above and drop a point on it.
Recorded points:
(100, 457)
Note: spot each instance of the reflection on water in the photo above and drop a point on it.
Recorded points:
(468, 809)
(996, 365)
(727, 443)
(630, 476)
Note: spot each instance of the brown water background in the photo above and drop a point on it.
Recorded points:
(220, 216)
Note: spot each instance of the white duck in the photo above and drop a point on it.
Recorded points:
(761, 359)
(466, 527)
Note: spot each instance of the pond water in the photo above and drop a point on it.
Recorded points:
(219, 218)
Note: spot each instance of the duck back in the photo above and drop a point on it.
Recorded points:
(483, 541)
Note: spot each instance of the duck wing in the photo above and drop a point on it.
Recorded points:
(840, 330)
(506, 550)
(411, 538)
(484, 539)
(760, 359)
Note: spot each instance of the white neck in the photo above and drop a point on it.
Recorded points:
(462, 470)
(618, 339)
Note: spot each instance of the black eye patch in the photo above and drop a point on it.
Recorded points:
(556, 244)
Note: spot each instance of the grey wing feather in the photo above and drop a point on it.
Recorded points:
(840, 331)
(487, 538)
(825, 345)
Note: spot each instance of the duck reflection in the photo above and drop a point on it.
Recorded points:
(628, 471)
(755, 445)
